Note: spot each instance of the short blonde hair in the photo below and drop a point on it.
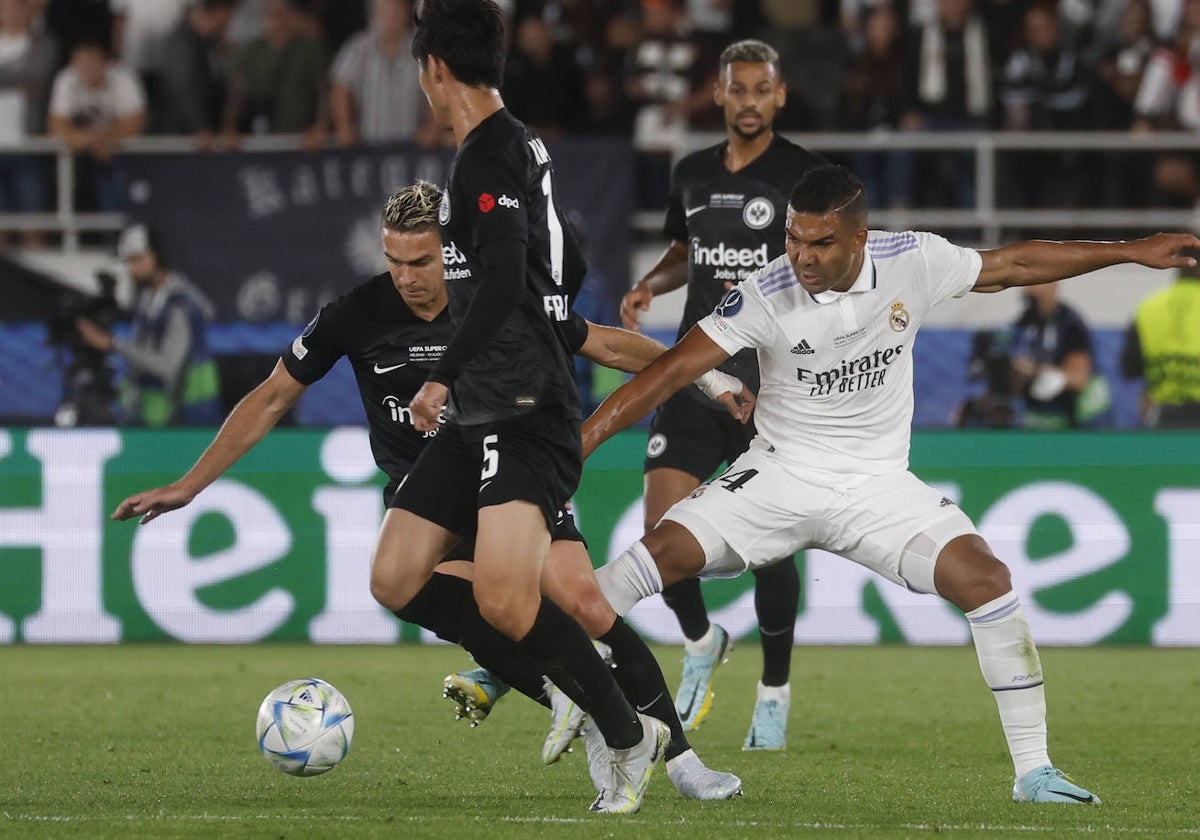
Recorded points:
(413, 208)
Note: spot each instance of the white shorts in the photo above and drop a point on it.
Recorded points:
(760, 510)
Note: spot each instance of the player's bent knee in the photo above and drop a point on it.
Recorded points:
(969, 575)
(676, 551)
(509, 611)
(593, 612)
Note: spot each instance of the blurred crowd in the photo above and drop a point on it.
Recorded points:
(339, 72)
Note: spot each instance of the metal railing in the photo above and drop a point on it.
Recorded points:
(985, 216)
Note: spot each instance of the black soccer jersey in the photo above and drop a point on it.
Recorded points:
(501, 187)
(391, 351)
(733, 224)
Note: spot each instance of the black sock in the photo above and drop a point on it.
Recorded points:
(776, 600)
(685, 601)
(641, 679)
(446, 606)
(568, 657)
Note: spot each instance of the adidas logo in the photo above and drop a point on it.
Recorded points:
(945, 502)
(803, 348)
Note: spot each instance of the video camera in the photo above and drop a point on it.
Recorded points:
(88, 390)
(990, 362)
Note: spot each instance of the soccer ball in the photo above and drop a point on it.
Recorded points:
(305, 727)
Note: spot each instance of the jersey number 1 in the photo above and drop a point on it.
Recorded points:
(554, 226)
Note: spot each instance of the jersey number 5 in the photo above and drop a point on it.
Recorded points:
(491, 458)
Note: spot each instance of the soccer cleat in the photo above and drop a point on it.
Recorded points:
(1049, 784)
(694, 699)
(473, 693)
(632, 768)
(695, 781)
(768, 726)
(599, 756)
(565, 720)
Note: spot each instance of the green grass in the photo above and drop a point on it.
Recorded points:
(157, 741)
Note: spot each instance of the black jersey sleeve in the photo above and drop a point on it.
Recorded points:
(494, 190)
(502, 263)
(312, 353)
(675, 224)
(575, 331)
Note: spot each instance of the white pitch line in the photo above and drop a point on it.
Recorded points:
(641, 820)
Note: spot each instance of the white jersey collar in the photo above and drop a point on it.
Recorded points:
(863, 283)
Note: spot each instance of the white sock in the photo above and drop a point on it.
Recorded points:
(1013, 671)
(782, 693)
(630, 578)
(703, 645)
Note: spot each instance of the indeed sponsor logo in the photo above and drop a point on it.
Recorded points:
(722, 255)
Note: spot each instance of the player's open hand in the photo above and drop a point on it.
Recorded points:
(1167, 250)
(426, 407)
(636, 301)
(150, 504)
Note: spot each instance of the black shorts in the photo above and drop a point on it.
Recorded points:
(690, 436)
(564, 529)
(536, 458)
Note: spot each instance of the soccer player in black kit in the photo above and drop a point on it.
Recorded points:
(393, 329)
(725, 220)
(508, 457)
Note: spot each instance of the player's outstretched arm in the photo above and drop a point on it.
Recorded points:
(631, 352)
(695, 354)
(1035, 262)
(668, 274)
(248, 423)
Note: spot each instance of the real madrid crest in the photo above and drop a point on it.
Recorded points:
(444, 208)
(898, 320)
(758, 213)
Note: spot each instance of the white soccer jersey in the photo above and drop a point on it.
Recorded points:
(837, 380)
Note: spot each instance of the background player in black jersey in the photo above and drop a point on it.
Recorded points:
(509, 456)
(725, 221)
(393, 328)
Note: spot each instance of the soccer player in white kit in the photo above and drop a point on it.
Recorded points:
(833, 322)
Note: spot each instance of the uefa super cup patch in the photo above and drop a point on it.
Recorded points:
(731, 304)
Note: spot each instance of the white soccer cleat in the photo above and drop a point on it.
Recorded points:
(695, 781)
(565, 720)
(632, 768)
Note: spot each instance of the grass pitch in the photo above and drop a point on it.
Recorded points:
(884, 742)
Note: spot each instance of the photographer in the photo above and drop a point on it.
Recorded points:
(1054, 365)
(172, 378)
